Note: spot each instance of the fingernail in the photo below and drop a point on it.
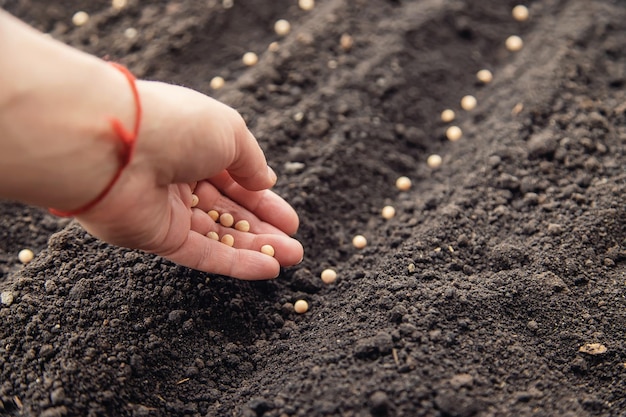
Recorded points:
(271, 174)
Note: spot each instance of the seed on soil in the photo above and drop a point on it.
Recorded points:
(119, 4)
(468, 103)
(346, 42)
(268, 250)
(273, 47)
(213, 235)
(130, 33)
(217, 82)
(447, 115)
(227, 219)
(514, 43)
(282, 27)
(454, 133)
(228, 240)
(403, 183)
(484, 76)
(328, 276)
(520, 13)
(25, 256)
(228, 4)
(250, 59)
(434, 161)
(593, 349)
(388, 212)
(80, 18)
(301, 306)
(306, 4)
(214, 215)
(194, 200)
(359, 241)
(242, 226)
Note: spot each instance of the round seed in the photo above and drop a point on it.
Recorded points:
(306, 4)
(520, 13)
(403, 183)
(217, 83)
(282, 27)
(268, 250)
(388, 212)
(250, 59)
(119, 4)
(25, 256)
(301, 306)
(328, 276)
(447, 115)
(484, 76)
(194, 200)
(213, 235)
(227, 220)
(454, 133)
(242, 226)
(273, 47)
(214, 215)
(80, 18)
(346, 41)
(468, 103)
(228, 240)
(514, 43)
(434, 161)
(130, 33)
(359, 241)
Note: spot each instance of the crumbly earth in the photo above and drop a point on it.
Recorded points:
(475, 300)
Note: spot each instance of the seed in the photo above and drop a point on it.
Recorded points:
(242, 226)
(434, 161)
(80, 18)
(130, 33)
(250, 59)
(388, 212)
(213, 235)
(228, 240)
(119, 4)
(306, 4)
(454, 133)
(403, 183)
(346, 42)
(520, 13)
(194, 200)
(25, 256)
(282, 27)
(514, 43)
(217, 82)
(214, 215)
(227, 4)
(301, 306)
(359, 241)
(268, 250)
(227, 220)
(468, 103)
(273, 47)
(447, 115)
(328, 276)
(484, 76)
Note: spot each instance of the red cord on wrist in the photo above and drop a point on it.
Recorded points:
(126, 152)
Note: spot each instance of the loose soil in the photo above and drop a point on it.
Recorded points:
(473, 301)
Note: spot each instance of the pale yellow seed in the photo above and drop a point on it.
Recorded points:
(388, 212)
(119, 4)
(520, 13)
(484, 76)
(25, 256)
(214, 215)
(359, 241)
(227, 220)
(273, 47)
(403, 183)
(282, 27)
(217, 82)
(213, 235)
(194, 200)
(468, 103)
(228, 240)
(228, 4)
(301, 306)
(434, 161)
(242, 226)
(80, 18)
(268, 250)
(514, 43)
(131, 33)
(306, 4)
(346, 42)
(454, 133)
(328, 276)
(250, 59)
(447, 115)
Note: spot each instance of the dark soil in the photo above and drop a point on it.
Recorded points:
(473, 301)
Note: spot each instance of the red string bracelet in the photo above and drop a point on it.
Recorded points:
(126, 152)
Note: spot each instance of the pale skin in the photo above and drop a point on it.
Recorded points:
(57, 149)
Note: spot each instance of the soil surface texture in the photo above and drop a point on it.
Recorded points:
(498, 289)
